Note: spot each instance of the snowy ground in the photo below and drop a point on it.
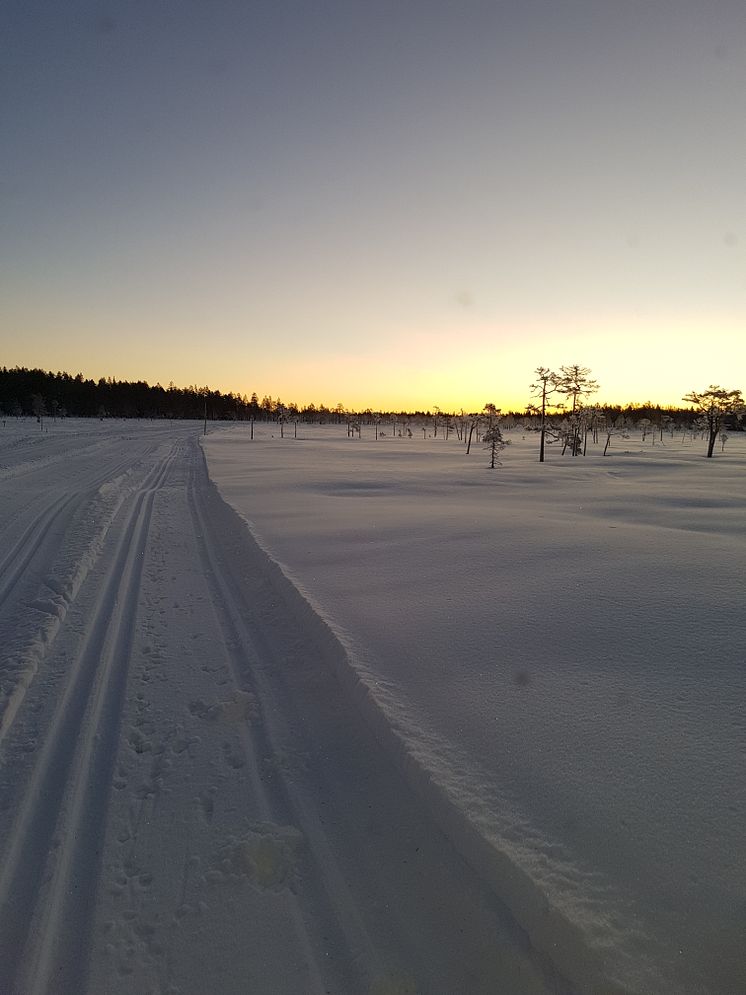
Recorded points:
(189, 800)
(554, 658)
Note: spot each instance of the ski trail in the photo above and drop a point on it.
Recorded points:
(16, 561)
(65, 801)
(23, 555)
(194, 804)
(45, 463)
(22, 552)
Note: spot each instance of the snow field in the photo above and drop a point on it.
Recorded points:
(555, 654)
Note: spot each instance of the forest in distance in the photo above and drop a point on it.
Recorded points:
(38, 393)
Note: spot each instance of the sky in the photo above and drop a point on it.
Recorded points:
(387, 204)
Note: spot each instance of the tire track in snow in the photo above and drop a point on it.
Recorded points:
(66, 799)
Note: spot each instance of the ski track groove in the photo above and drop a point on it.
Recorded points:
(67, 795)
(43, 462)
(23, 554)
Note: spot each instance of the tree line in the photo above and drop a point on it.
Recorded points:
(559, 408)
(36, 392)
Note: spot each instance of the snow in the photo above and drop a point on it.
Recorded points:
(386, 721)
(554, 656)
(189, 801)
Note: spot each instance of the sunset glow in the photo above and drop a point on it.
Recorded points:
(383, 205)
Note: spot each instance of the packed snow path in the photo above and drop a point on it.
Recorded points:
(189, 800)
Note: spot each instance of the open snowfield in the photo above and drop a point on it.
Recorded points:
(190, 801)
(554, 657)
(439, 729)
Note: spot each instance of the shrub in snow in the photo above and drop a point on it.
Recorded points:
(493, 440)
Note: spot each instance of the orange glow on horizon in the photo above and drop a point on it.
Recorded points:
(457, 366)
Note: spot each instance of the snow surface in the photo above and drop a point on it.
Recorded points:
(189, 799)
(554, 654)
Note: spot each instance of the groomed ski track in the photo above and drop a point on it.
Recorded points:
(190, 799)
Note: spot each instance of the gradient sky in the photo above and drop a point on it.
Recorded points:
(394, 204)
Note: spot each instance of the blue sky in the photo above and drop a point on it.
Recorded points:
(376, 203)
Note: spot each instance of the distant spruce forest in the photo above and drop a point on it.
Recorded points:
(40, 394)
